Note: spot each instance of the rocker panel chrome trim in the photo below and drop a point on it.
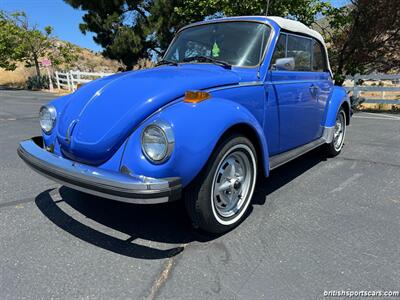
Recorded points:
(278, 160)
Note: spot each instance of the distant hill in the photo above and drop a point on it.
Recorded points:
(88, 61)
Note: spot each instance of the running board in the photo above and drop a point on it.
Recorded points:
(282, 158)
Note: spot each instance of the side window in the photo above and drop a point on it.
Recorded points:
(300, 49)
(297, 51)
(319, 60)
(280, 48)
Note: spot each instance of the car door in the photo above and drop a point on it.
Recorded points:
(297, 90)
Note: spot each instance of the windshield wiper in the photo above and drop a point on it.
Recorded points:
(201, 58)
(166, 62)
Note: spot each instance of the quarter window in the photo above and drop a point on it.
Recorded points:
(319, 61)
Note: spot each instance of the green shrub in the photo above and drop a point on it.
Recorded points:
(38, 83)
(356, 102)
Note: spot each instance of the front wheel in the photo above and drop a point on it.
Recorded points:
(217, 200)
(339, 133)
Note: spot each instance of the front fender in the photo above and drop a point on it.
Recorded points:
(338, 98)
(197, 129)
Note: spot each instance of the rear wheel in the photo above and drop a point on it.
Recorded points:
(339, 134)
(217, 200)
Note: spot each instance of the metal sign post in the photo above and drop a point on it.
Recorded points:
(47, 64)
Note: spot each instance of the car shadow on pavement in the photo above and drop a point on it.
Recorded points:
(285, 174)
(159, 226)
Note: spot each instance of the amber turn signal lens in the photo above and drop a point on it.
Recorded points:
(196, 96)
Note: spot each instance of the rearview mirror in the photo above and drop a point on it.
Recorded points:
(284, 64)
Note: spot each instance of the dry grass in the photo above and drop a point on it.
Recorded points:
(386, 95)
(395, 108)
(16, 78)
(88, 61)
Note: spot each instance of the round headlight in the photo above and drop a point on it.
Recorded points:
(47, 117)
(157, 142)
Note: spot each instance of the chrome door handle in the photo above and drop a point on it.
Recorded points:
(314, 89)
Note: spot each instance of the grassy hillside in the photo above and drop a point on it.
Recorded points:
(87, 61)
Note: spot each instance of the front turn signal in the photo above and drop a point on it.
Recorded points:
(196, 96)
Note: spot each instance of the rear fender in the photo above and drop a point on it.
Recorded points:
(338, 99)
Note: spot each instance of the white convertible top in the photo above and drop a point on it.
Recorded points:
(298, 27)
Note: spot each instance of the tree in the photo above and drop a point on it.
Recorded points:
(363, 37)
(163, 22)
(119, 25)
(11, 50)
(132, 29)
(305, 11)
(21, 41)
(34, 41)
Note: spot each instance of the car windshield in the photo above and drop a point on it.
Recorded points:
(235, 43)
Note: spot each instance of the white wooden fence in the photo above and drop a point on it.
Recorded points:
(72, 79)
(358, 89)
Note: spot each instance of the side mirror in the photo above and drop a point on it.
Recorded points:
(284, 64)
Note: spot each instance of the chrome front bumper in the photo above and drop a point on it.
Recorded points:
(109, 184)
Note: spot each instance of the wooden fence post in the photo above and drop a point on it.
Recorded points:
(58, 80)
(71, 74)
(68, 81)
(356, 90)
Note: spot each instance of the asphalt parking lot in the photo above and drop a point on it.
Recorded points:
(315, 225)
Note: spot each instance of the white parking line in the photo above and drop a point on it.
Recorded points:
(382, 115)
(377, 118)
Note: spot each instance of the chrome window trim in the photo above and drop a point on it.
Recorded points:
(294, 80)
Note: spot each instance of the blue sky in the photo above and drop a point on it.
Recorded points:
(61, 16)
(64, 19)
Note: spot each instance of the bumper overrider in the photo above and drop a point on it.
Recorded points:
(109, 184)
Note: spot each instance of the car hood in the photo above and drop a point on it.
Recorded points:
(99, 116)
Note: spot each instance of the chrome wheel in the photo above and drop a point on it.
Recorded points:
(339, 131)
(233, 184)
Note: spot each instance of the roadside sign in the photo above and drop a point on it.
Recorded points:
(46, 62)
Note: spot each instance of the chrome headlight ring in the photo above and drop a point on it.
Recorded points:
(47, 118)
(157, 141)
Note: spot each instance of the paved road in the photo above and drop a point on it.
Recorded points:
(315, 225)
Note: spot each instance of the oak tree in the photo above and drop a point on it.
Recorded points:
(363, 37)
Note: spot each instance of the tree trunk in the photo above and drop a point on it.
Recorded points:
(36, 61)
(339, 76)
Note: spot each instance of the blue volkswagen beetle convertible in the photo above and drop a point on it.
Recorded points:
(231, 100)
